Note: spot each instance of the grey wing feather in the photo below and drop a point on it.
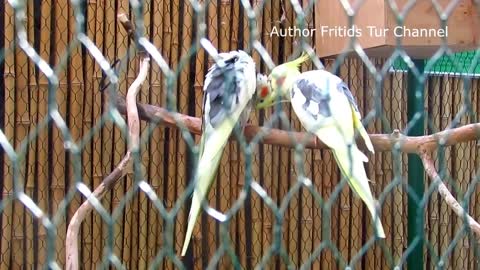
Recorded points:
(314, 96)
(224, 85)
(343, 87)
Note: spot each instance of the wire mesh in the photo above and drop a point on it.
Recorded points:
(58, 130)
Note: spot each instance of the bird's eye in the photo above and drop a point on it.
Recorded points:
(264, 92)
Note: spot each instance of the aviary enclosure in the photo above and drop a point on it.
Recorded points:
(71, 129)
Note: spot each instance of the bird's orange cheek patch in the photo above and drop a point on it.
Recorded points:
(264, 92)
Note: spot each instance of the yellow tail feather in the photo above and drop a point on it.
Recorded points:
(352, 167)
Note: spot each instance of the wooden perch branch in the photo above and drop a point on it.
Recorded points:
(421, 145)
(108, 183)
(381, 142)
(445, 193)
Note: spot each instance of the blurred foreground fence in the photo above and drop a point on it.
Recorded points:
(45, 168)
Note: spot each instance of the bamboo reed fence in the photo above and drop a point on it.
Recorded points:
(47, 172)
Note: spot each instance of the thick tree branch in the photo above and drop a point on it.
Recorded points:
(381, 142)
(72, 261)
(429, 165)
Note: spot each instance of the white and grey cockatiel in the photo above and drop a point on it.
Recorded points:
(325, 107)
(228, 91)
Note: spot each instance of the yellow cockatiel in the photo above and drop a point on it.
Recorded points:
(326, 107)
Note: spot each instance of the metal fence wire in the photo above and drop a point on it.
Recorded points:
(61, 136)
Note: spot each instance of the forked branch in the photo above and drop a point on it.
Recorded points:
(432, 173)
(72, 261)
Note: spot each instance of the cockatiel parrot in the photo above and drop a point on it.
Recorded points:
(325, 107)
(229, 88)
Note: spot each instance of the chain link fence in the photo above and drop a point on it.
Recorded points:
(59, 130)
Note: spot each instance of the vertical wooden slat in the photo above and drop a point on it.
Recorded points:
(157, 138)
(172, 55)
(385, 177)
(23, 125)
(123, 247)
(372, 258)
(21, 116)
(473, 205)
(3, 158)
(143, 222)
(74, 118)
(317, 175)
(57, 161)
(462, 161)
(21, 69)
(333, 179)
(99, 156)
(397, 121)
(131, 213)
(29, 119)
(434, 215)
(182, 44)
(108, 148)
(378, 178)
(468, 168)
(446, 116)
(167, 31)
(88, 154)
(42, 139)
(404, 164)
(10, 74)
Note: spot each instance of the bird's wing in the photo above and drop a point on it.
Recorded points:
(357, 118)
(224, 86)
(319, 102)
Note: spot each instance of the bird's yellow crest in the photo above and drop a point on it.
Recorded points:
(298, 62)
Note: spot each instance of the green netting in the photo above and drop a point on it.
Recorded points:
(458, 63)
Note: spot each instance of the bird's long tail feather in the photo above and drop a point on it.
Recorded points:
(358, 181)
(203, 180)
(210, 155)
